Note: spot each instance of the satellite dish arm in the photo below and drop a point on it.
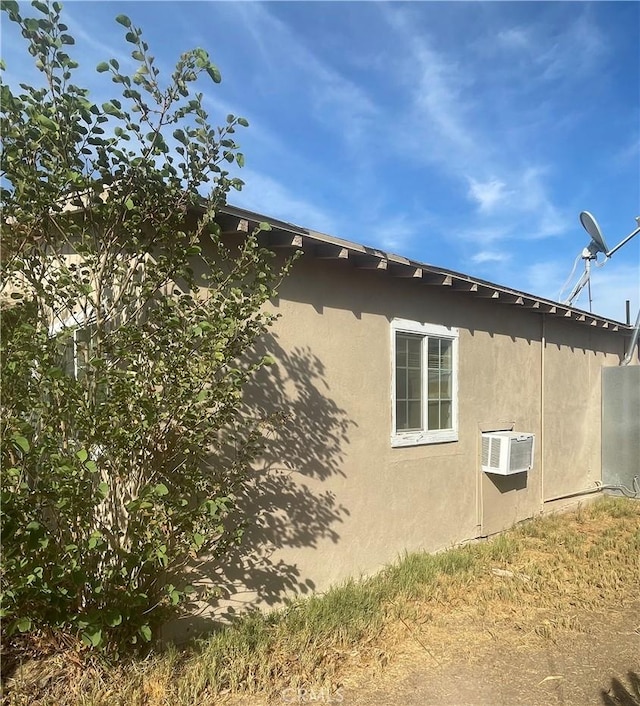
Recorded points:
(580, 285)
(626, 240)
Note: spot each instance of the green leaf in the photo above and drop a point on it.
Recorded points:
(145, 632)
(23, 624)
(161, 489)
(82, 455)
(243, 121)
(214, 73)
(180, 136)
(10, 6)
(102, 67)
(129, 204)
(103, 489)
(110, 109)
(123, 20)
(46, 122)
(40, 6)
(21, 442)
(92, 638)
(114, 620)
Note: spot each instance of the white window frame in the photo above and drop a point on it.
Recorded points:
(79, 369)
(77, 324)
(424, 435)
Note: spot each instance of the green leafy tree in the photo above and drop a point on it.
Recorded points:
(127, 326)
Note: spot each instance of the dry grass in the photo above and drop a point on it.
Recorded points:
(529, 585)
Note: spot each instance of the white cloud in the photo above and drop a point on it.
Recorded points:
(447, 118)
(533, 201)
(438, 99)
(394, 234)
(484, 235)
(439, 94)
(572, 52)
(342, 105)
(628, 155)
(487, 194)
(514, 37)
(491, 256)
(521, 211)
(549, 51)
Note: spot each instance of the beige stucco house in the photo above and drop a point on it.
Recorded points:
(389, 372)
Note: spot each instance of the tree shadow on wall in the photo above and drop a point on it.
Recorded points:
(620, 694)
(285, 504)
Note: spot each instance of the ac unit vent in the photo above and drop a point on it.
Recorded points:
(507, 452)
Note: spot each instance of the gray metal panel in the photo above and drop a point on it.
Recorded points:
(620, 425)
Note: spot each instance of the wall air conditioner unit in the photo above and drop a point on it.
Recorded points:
(507, 452)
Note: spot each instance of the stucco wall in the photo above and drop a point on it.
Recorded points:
(574, 357)
(333, 345)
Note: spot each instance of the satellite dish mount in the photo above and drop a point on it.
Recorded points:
(590, 253)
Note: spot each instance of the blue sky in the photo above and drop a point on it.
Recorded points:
(465, 135)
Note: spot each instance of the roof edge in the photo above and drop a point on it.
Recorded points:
(323, 246)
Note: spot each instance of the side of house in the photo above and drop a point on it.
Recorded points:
(389, 374)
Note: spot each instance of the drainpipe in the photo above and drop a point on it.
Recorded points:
(479, 480)
(634, 341)
(543, 345)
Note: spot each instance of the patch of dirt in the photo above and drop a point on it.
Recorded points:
(600, 664)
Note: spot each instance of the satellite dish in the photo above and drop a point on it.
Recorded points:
(596, 245)
(590, 224)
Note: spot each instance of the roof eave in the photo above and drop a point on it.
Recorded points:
(323, 246)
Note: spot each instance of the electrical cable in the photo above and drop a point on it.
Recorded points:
(570, 277)
(635, 493)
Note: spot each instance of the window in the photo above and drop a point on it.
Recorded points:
(424, 383)
(75, 336)
(77, 351)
